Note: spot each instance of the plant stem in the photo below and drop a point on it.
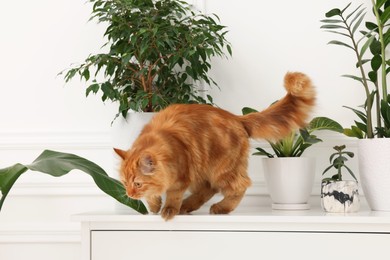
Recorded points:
(365, 83)
(383, 51)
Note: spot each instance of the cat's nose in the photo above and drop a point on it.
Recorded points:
(131, 194)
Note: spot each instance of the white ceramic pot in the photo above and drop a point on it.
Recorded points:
(340, 196)
(374, 170)
(290, 181)
(125, 131)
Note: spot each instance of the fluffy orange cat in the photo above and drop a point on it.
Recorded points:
(205, 149)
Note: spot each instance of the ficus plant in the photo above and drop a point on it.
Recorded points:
(337, 161)
(369, 45)
(297, 141)
(158, 53)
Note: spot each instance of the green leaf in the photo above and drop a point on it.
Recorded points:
(373, 76)
(385, 16)
(333, 26)
(361, 126)
(353, 77)
(376, 62)
(379, 3)
(371, 26)
(229, 49)
(360, 114)
(335, 42)
(8, 177)
(375, 47)
(345, 8)
(94, 88)
(263, 152)
(350, 172)
(58, 164)
(248, 110)
(354, 132)
(340, 33)
(354, 11)
(309, 139)
(327, 169)
(359, 21)
(366, 45)
(333, 12)
(324, 123)
(385, 111)
(331, 21)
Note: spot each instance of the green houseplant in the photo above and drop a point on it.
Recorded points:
(370, 45)
(289, 176)
(373, 66)
(337, 160)
(158, 53)
(338, 195)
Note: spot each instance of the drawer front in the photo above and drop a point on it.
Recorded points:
(188, 245)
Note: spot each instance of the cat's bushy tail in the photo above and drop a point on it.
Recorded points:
(285, 115)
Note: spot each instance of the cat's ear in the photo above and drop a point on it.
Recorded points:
(120, 152)
(147, 164)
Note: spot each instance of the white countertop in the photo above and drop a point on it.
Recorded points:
(243, 219)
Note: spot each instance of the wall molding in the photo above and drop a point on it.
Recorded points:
(56, 189)
(16, 233)
(39, 140)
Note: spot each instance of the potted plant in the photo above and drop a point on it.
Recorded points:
(373, 124)
(289, 176)
(338, 195)
(157, 53)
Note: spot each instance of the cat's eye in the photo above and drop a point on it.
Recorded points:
(137, 185)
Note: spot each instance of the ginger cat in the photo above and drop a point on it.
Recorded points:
(205, 149)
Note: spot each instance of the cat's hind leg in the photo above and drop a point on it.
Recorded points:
(228, 203)
(200, 195)
(233, 186)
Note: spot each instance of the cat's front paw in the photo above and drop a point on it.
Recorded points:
(154, 204)
(168, 213)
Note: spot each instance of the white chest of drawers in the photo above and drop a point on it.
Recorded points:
(248, 233)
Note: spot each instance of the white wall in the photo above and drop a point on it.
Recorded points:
(37, 111)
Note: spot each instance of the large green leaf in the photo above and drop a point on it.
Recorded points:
(324, 123)
(58, 164)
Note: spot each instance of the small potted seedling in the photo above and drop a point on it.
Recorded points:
(338, 195)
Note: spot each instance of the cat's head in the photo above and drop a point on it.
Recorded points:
(140, 173)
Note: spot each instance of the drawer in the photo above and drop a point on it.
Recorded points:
(237, 245)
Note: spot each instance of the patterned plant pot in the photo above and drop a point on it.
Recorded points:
(340, 197)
